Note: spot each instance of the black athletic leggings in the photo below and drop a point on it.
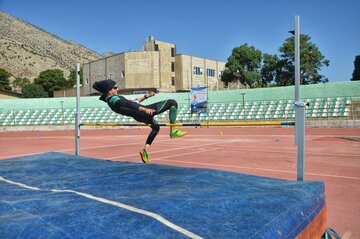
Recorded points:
(161, 107)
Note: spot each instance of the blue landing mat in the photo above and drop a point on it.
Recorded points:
(104, 199)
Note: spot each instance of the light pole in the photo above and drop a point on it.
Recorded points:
(326, 103)
(243, 99)
(62, 111)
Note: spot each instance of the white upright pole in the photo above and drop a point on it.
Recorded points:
(299, 108)
(297, 58)
(77, 114)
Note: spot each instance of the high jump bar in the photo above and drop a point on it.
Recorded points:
(229, 124)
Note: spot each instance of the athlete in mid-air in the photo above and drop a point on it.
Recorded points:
(141, 113)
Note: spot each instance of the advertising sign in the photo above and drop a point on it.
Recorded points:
(198, 100)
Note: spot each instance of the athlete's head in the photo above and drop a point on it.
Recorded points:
(106, 87)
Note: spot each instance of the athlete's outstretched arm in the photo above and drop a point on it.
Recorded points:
(141, 99)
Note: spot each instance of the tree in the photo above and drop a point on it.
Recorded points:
(33, 91)
(20, 82)
(244, 66)
(311, 62)
(228, 76)
(4, 80)
(72, 78)
(51, 80)
(356, 72)
(271, 69)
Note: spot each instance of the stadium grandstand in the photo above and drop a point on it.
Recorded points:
(330, 101)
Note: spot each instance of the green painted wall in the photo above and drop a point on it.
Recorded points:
(263, 94)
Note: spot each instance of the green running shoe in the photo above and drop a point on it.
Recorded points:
(144, 156)
(177, 133)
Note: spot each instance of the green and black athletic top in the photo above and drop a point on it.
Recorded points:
(121, 105)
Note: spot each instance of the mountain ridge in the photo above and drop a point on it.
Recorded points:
(26, 50)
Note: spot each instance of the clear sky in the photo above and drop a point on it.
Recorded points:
(203, 28)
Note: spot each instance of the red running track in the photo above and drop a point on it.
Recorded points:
(332, 156)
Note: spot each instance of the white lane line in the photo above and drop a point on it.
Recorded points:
(73, 149)
(116, 145)
(20, 155)
(173, 156)
(105, 146)
(174, 149)
(250, 168)
(113, 203)
(294, 152)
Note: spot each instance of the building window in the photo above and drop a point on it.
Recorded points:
(172, 81)
(210, 72)
(221, 73)
(122, 73)
(172, 51)
(173, 66)
(87, 80)
(197, 70)
(156, 47)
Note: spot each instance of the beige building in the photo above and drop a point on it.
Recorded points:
(193, 71)
(157, 67)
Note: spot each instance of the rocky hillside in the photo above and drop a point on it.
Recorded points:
(26, 50)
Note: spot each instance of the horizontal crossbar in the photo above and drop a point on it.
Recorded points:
(269, 123)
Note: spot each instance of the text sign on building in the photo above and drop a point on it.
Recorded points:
(198, 100)
(140, 92)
